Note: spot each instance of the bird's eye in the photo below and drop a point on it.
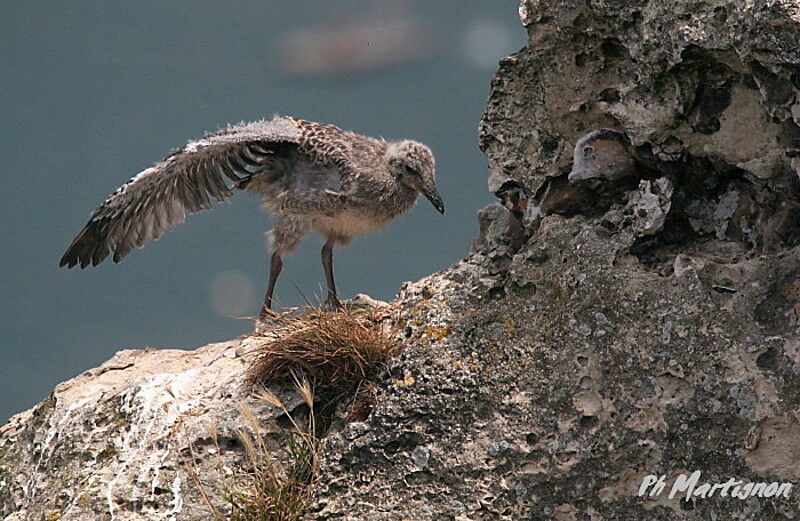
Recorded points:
(411, 171)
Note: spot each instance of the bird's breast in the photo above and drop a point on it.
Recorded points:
(348, 223)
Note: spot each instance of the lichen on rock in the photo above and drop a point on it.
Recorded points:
(609, 327)
(114, 442)
(603, 328)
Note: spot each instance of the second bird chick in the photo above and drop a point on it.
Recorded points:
(603, 153)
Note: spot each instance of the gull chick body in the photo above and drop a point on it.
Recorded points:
(313, 176)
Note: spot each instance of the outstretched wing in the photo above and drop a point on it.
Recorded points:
(159, 198)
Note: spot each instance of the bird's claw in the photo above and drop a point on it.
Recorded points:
(267, 320)
(264, 324)
(332, 304)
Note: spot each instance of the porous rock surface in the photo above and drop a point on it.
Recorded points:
(123, 441)
(601, 332)
(598, 332)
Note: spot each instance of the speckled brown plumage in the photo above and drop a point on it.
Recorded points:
(312, 175)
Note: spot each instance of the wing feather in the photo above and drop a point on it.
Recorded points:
(159, 198)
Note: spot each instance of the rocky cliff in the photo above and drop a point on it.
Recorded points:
(631, 307)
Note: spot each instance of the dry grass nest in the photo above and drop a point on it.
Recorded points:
(338, 353)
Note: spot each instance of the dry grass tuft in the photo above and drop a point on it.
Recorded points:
(278, 494)
(339, 352)
(330, 357)
(267, 491)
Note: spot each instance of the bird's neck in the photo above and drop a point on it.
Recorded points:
(401, 200)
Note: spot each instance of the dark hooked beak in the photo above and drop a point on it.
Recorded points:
(434, 197)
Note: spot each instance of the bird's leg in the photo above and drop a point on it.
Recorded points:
(332, 302)
(275, 266)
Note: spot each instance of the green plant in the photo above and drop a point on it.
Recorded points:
(341, 353)
(267, 491)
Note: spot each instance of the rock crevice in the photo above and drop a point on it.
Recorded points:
(631, 307)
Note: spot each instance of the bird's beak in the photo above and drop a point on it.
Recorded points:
(580, 174)
(434, 197)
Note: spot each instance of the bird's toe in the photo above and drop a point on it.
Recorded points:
(265, 324)
(332, 304)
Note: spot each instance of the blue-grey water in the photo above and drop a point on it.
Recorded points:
(92, 92)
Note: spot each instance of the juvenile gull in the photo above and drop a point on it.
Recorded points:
(311, 175)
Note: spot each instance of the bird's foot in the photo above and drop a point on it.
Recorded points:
(267, 320)
(264, 324)
(332, 304)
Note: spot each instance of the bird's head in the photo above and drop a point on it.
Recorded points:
(413, 165)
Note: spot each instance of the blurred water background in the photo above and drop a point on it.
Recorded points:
(92, 92)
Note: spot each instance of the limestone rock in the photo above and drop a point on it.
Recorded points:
(649, 206)
(645, 325)
(652, 329)
(114, 442)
